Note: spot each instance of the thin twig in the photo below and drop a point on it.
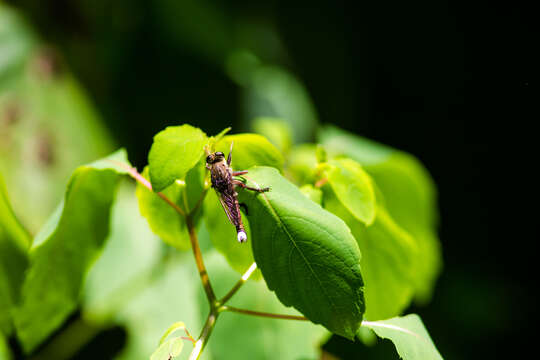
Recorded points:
(239, 284)
(141, 180)
(205, 334)
(263, 314)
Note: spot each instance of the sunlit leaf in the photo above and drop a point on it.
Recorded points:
(301, 164)
(312, 193)
(5, 354)
(409, 336)
(169, 349)
(174, 152)
(163, 219)
(250, 150)
(14, 244)
(388, 255)
(353, 187)
(58, 264)
(409, 196)
(276, 130)
(306, 255)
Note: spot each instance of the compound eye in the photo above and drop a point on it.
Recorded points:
(219, 153)
(209, 158)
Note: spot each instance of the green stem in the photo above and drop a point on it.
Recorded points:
(205, 334)
(200, 262)
(263, 314)
(239, 284)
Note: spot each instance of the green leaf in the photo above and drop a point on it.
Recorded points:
(301, 164)
(354, 189)
(58, 264)
(276, 130)
(312, 193)
(250, 150)
(14, 244)
(174, 152)
(169, 349)
(164, 221)
(409, 336)
(388, 259)
(223, 236)
(242, 337)
(5, 354)
(176, 326)
(307, 255)
(409, 196)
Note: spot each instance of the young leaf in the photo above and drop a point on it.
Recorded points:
(388, 255)
(354, 189)
(223, 236)
(14, 243)
(169, 349)
(174, 152)
(409, 336)
(250, 150)
(164, 221)
(58, 264)
(307, 255)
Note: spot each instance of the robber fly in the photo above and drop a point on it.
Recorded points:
(225, 186)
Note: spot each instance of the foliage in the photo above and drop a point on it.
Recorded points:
(344, 241)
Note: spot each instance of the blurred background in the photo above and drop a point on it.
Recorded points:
(406, 74)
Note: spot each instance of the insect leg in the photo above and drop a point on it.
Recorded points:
(244, 186)
(229, 157)
(238, 173)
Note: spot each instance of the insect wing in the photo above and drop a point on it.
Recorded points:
(227, 202)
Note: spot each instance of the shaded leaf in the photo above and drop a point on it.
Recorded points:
(58, 264)
(409, 336)
(174, 152)
(307, 255)
(250, 150)
(388, 259)
(164, 221)
(353, 187)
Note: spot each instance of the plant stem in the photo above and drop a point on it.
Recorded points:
(200, 263)
(239, 284)
(205, 334)
(141, 180)
(263, 314)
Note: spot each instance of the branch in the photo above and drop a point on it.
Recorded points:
(239, 284)
(199, 261)
(141, 180)
(263, 314)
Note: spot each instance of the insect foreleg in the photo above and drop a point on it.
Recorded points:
(244, 186)
(238, 173)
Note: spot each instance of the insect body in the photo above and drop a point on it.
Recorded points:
(225, 186)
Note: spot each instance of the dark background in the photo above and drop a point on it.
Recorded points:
(423, 76)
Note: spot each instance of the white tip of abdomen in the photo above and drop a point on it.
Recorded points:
(242, 237)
